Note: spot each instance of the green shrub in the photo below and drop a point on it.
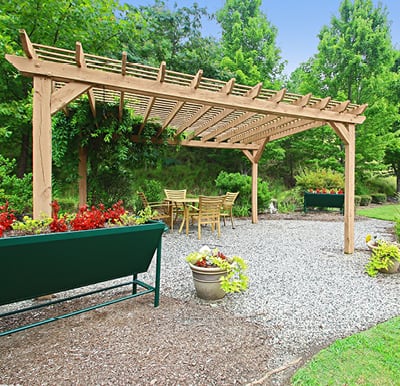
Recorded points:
(318, 179)
(17, 191)
(290, 200)
(67, 205)
(236, 182)
(378, 198)
(153, 190)
(365, 200)
(357, 200)
(386, 185)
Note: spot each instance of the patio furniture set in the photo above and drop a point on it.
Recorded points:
(205, 210)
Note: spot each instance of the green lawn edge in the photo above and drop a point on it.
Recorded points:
(387, 212)
(370, 357)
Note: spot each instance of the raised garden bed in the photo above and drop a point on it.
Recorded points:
(33, 266)
(323, 200)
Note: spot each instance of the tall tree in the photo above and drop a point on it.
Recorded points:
(52, 22)
(354, 48)
(354, 62)
(249, 43)
(156, 33)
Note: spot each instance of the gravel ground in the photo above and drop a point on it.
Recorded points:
(304, 294)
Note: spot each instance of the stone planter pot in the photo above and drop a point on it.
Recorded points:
(207, 282)
(393, 269)
(372, 245)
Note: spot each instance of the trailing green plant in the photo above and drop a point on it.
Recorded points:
(115, 144)
(383, 256)
(235, 279)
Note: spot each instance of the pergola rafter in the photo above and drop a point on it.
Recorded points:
(206, 112)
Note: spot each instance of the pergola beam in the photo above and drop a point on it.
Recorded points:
(65, 72)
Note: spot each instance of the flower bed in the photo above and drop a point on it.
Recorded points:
(42, 264)
(324, 199)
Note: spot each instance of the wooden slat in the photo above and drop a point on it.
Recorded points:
(195, 84)
(80, 61)
(124, 60)
(225, 90)
(286, 133)
(27, 45)
(278, 96)
(160, 79)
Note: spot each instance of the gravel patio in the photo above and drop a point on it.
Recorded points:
(304, 294)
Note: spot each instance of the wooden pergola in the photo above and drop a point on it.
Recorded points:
(209, 112)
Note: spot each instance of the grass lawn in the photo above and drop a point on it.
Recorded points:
(368, 358)
(389, 212)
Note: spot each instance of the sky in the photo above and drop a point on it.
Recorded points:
(298, 23)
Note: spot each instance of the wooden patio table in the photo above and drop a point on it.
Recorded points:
(185, 202)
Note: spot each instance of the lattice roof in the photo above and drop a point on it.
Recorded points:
(210, 112)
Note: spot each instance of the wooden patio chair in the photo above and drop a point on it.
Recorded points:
(227, 206)
(174, 196)
(161, 209)
(208, 212)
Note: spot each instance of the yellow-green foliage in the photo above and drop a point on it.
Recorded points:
(29, 226)
(320, 178)
(382, 257)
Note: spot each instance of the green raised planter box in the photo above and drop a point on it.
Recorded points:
(323, 200)
(32, 266)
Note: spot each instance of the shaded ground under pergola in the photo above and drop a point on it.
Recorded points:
(206, 112)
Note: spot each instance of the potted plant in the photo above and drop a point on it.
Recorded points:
(385, 257)
(215, 274)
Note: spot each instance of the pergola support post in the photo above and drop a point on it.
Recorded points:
(349, 191)
(254, 157)
(254, 192)
(41, 141)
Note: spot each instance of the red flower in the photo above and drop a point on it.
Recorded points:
(7, 217)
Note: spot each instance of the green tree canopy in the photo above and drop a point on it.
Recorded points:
(354, 62)
(249, 43)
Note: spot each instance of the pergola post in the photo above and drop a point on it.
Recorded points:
(254, 192)
(349, 191)
(41, 143)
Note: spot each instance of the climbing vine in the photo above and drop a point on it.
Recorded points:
(114, 147)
